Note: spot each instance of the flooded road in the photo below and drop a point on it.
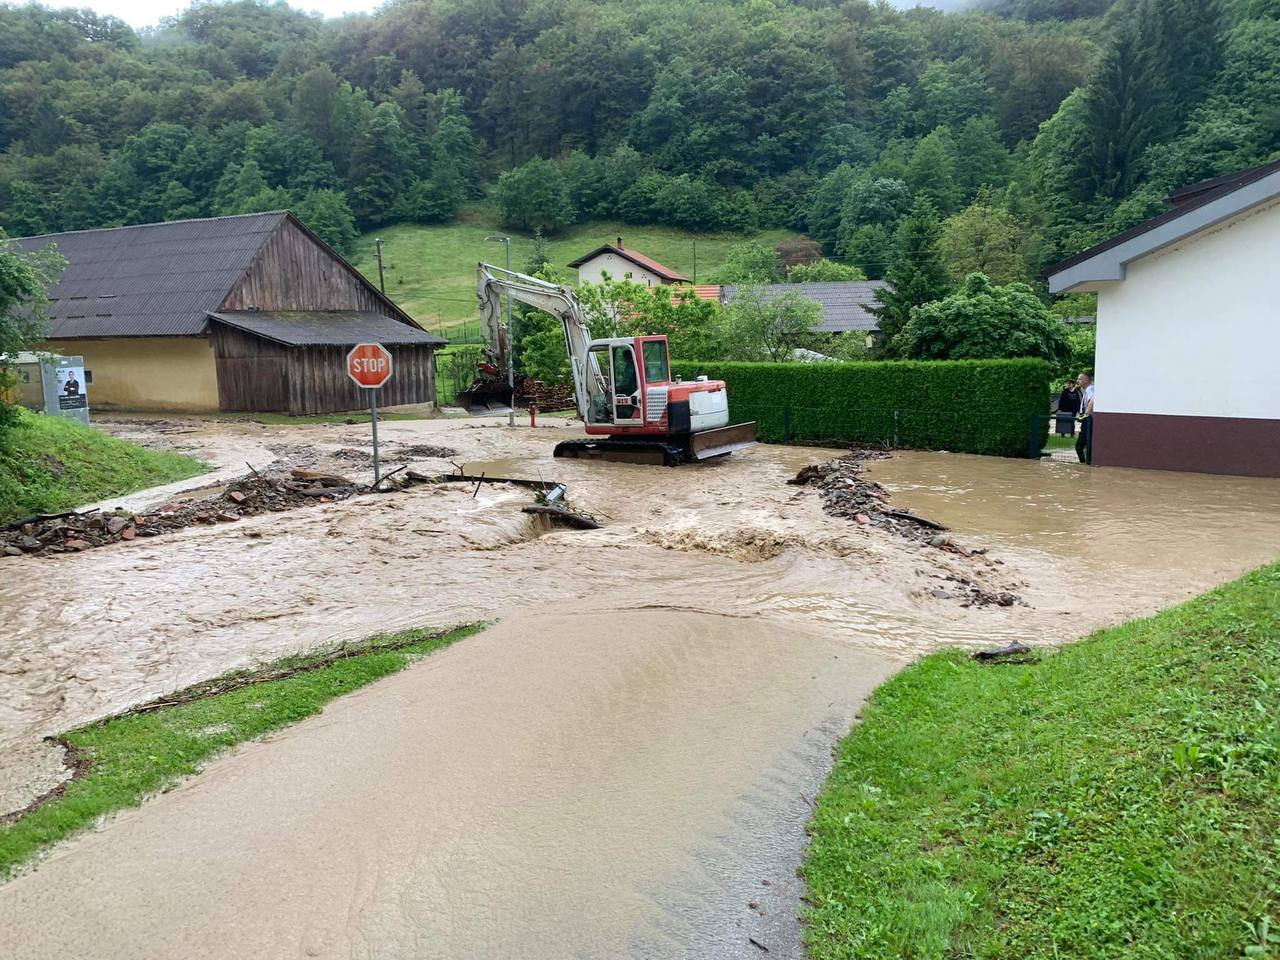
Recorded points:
(637, 738)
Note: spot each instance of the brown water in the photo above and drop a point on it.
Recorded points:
(635, 740)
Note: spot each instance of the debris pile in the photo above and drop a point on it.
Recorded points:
(846, 493)
(423, 451)
(544, 396)
(249, 496)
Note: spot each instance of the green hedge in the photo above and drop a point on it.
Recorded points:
(967, 406)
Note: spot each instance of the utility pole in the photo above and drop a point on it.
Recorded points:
(511, 373)
(382, 284)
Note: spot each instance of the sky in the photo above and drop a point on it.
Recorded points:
(147, 13)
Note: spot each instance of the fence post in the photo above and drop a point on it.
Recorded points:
(895, 428)
(786, 423)
(1033, 439)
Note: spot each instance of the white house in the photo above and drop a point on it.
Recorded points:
(619, 262)
(1188, 362)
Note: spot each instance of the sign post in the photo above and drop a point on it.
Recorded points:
(369, 367)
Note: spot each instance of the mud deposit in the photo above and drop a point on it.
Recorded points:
(617, 766)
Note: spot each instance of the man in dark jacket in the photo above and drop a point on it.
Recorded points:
(1068, 407)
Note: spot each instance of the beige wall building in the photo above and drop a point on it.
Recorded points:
(250, 312)
(620, 263)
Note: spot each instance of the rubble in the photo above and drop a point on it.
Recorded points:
(423, 451)
(846, 493)
(247, 497)
(544, 396)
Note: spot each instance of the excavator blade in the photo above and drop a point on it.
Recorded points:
(716, 443)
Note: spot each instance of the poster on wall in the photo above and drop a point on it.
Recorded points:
(72, 392)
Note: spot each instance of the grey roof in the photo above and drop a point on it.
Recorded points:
(1194, 208)
(326, 327)
(845, 304)
(152, 280)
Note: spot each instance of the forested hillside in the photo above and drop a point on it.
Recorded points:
(1031, 127)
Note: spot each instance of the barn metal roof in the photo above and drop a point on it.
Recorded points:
(151, 280)
(846, 304)
(340, 328)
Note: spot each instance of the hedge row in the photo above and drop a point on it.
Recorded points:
(967, 406)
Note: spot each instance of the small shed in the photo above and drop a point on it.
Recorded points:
(1187, 330)
(285, 360)
(619, 262)
(243, 313)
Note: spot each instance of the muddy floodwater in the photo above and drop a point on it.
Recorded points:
(619, 764)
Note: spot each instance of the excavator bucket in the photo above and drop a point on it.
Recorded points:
(716, 443)
(485, 397)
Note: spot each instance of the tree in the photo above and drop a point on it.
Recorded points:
(824, 271)
(750, 262)
(984, 239)
(623, 308)
(327, 214)
(535, 194)
(916, 275)
(761, 327)
(931, 172)
(981, 321)
(24, 278)
(381, 166)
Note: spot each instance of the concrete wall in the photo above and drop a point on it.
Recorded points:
(147, 373)
(617, 267)
(1194, 330)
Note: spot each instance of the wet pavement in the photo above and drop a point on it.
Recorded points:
(637, 738)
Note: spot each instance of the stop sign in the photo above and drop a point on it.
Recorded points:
(369, 365)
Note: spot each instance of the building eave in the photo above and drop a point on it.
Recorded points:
(1108, 262)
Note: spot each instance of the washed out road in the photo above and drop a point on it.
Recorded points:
(613, 769)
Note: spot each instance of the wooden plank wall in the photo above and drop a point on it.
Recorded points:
(318, 381)
(253, 373)
(293, 272)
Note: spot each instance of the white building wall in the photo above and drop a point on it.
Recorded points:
(617, 267)
(1194, 330)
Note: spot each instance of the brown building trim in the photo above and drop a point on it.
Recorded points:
(1231, 445)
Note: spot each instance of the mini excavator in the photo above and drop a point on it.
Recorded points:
(633, 410)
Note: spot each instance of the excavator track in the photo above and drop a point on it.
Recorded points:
(654, 452)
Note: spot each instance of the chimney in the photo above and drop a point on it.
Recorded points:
(619, 243)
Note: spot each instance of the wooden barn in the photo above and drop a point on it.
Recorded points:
(245, 313)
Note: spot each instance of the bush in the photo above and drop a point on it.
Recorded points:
(965, 406)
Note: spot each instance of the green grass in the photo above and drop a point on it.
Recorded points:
(1121, 798)
(48, 464)
(134, 756)
(431, 268)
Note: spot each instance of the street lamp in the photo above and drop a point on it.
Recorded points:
(511, 375)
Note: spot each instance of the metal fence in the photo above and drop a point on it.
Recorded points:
(455, 371)
(1060, 437)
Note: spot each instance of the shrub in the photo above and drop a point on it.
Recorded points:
(965, 406)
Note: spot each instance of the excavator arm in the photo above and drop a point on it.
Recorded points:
(492, 282)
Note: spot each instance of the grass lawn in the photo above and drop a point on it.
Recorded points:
(49, 464)
(1121, 798)
(431, 268)
(133, 756)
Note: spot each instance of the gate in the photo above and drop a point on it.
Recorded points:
(1060, 438)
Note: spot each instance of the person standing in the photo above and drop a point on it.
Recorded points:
(1068, 407)
(1084, 443)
